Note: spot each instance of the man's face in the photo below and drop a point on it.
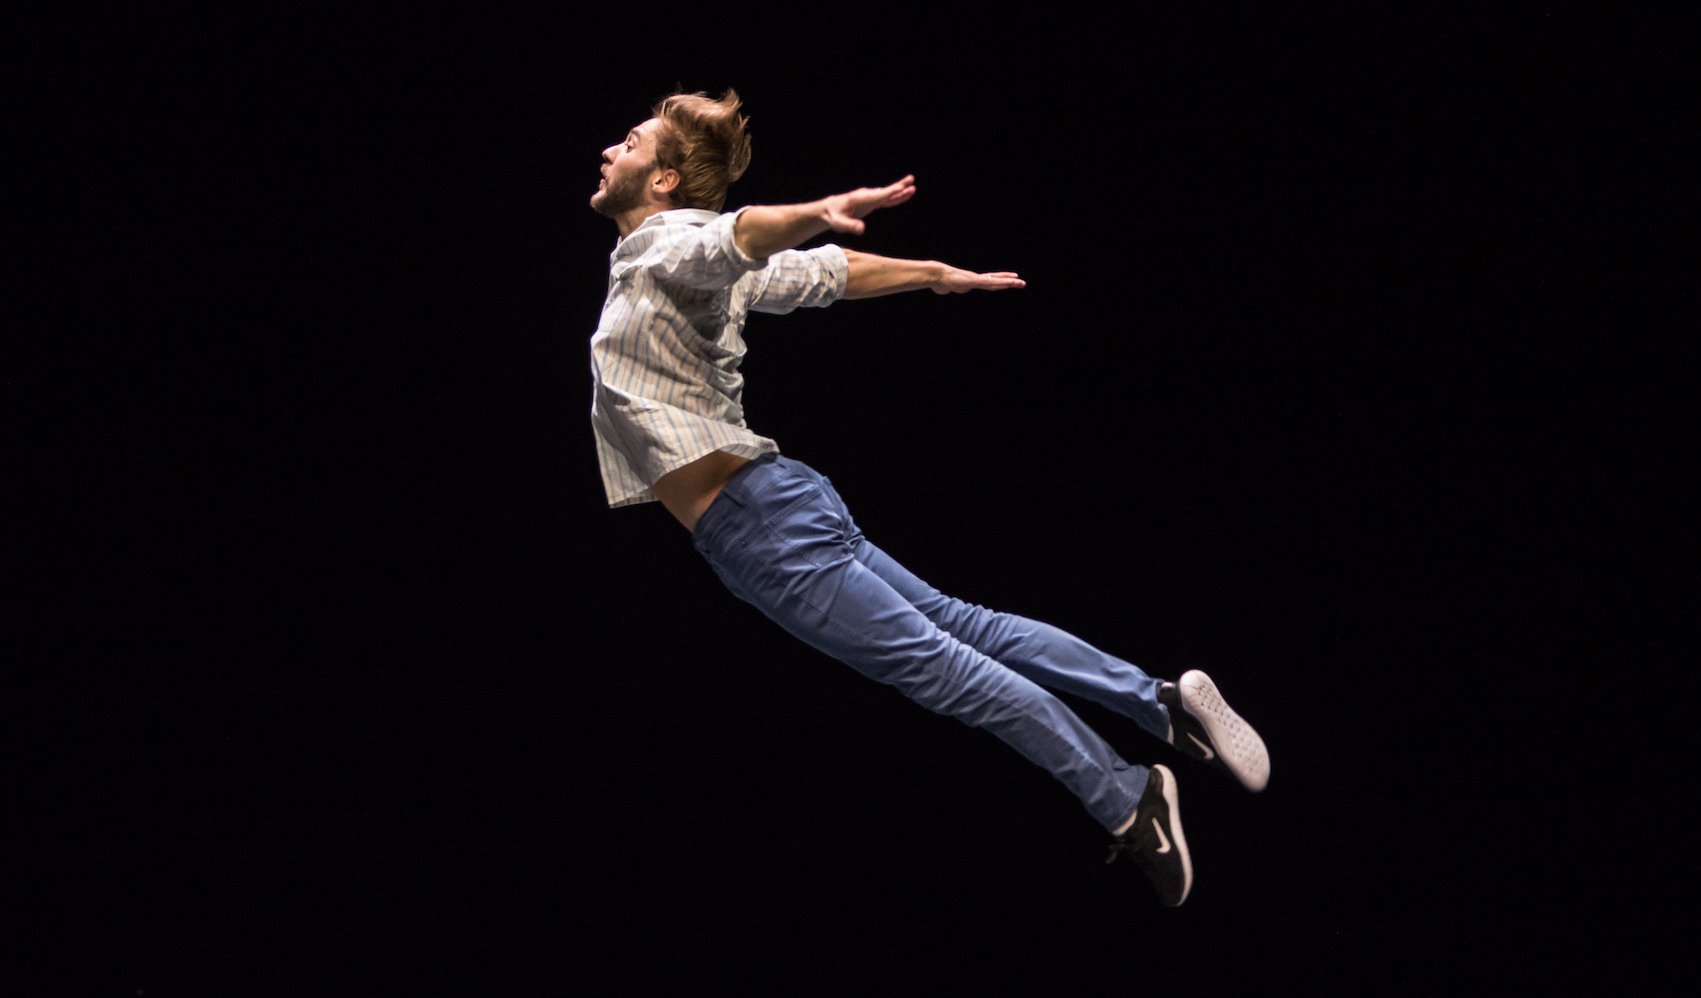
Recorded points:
(627, 167)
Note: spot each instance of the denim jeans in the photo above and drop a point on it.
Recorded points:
(781, 539)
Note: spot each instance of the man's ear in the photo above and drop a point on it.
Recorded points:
(664, 181)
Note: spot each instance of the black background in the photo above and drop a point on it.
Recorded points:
(1338, 374)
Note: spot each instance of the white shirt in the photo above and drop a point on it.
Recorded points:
(665, 355)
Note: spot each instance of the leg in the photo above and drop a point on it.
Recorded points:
(779, 539)
(1036, 650)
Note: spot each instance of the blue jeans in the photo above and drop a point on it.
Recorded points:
(781, 539)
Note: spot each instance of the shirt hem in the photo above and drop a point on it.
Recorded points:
(747, 451)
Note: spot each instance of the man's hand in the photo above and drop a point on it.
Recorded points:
(872, 276)
(845, 212)
(956, 281)
(763, 230)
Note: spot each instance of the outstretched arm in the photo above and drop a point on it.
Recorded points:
(763, 230)
(872, 276)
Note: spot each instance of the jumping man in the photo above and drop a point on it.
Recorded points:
(670, 428)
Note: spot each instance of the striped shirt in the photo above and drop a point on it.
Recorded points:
(665, 356)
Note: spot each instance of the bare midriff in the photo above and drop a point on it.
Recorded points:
(688, 491)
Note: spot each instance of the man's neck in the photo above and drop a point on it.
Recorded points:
(630, 220)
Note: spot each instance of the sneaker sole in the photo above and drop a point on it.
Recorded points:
(1238, 745)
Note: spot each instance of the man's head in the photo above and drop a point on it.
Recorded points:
(705, 141)
(633, 185)
(686, 156)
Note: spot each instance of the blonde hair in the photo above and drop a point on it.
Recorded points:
(705, 142)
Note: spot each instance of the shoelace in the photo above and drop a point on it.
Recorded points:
(1121, 846)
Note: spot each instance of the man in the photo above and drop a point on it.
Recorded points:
(670, 428)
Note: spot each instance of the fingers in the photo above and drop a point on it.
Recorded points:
(901, 187)
(963, 281)
(868, 199)
(996, 281)
(901, 191)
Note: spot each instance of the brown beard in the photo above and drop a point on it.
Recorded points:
(619, 197)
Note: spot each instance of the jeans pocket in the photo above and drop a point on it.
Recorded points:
(790, 508)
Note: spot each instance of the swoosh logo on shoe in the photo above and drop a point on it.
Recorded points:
(1209, 755)
(1161, 836)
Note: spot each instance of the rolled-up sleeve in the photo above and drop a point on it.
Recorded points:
(800, 279)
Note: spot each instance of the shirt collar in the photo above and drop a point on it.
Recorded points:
(680, 216)
(675, 216)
